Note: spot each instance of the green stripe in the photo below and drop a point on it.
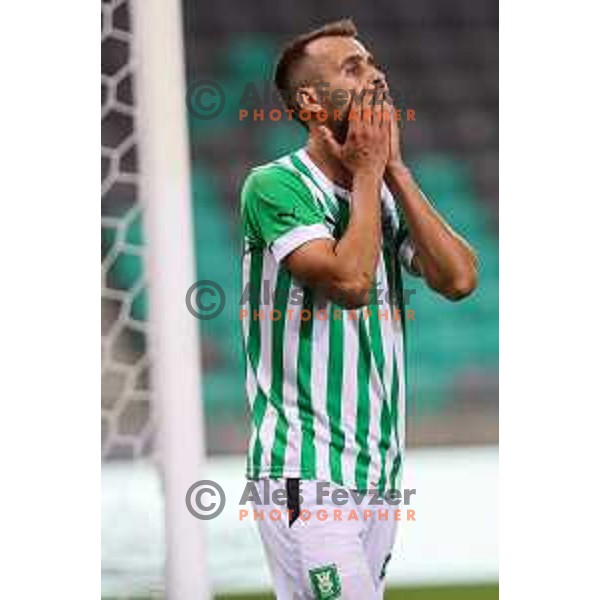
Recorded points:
(398, 458)
(385, 427)
(402, 319)
(390, 265)
(335, 374)
(282, 289)
(343, 219)
(376, 341)
(259, 405)
(258, 414)
(395, 471)
(362, 409)
(307, 461)
(256, 266)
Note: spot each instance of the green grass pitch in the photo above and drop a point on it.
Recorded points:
(475, 592)
(465, 592)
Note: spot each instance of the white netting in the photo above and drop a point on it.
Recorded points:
(126, 421)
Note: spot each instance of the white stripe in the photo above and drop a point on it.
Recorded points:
(265, 371)
(390, 205)
(376, 399)
(349, 397)
(320, 363)
(290, 390)
(269, 280)
(250, 378)
(251, 387)
(267, 435)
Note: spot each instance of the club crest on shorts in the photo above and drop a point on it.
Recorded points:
(325, 582)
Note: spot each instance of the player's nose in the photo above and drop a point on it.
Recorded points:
(379, 84)
(379, 81)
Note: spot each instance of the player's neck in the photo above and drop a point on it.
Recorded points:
(331, 167)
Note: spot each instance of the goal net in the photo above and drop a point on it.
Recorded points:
(127, 430)
(151, 417)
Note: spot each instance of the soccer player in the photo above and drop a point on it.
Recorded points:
(323, 228)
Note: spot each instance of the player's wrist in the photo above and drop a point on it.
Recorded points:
(368, 171)
(398, 177)
(398, 169)
(367, 179)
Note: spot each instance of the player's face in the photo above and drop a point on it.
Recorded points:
(343, 63)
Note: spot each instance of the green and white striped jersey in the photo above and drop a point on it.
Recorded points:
(326, 385)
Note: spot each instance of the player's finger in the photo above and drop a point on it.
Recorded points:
(378, 113)
(389, 103)
(385, 106)
(353, 112)
(371, 94)
(357, 107)
(375, 108)
(367, 108)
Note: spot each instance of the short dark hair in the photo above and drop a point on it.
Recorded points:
(294, 53)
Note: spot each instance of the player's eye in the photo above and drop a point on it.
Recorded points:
(353, 69)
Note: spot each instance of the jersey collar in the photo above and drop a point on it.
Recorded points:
(324, 182)
(332, 189)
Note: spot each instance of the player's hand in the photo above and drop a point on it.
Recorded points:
(367, 145)
(395, 156)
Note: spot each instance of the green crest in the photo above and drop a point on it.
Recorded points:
(325, 582)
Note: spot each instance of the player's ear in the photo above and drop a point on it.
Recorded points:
(308, 99)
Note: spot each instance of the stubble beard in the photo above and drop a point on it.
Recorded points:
(339, 127)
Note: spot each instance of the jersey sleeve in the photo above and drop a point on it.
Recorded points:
(279, 211)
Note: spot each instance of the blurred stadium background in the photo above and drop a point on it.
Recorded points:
(441, 58)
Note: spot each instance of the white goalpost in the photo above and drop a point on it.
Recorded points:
(173, 334)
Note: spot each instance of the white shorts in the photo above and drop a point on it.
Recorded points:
(330, 550)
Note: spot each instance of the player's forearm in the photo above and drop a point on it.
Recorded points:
(357, 252)
(446, 261)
